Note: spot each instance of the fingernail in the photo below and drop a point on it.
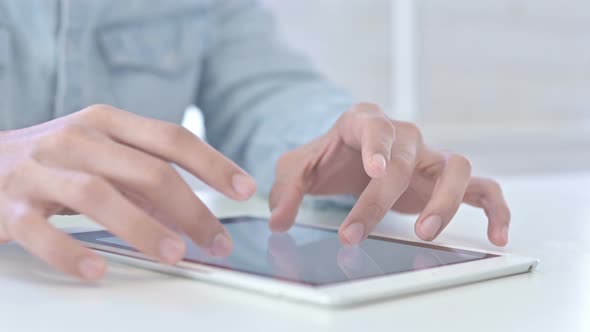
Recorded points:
(378, 161)
(221, 245)
(171, 250)
(430, 227)
(91, 268)
(243, 185)
(354, 233)
(505, 233)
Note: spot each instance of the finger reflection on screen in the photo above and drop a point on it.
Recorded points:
(283, 255)
(426, 260)
(355, 263)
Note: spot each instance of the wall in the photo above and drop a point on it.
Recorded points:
(506, 82)
(349, 41)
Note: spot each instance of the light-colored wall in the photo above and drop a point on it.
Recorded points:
(506, 82)
(521, 63)
(349, 41)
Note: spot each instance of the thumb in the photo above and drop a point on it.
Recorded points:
(284, 201)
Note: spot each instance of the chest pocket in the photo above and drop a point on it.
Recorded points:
(164, 46)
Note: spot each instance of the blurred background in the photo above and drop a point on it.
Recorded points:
(506, 82)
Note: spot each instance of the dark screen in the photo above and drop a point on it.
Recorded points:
(311, 255)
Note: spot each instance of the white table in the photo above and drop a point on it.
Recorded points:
(551, 220)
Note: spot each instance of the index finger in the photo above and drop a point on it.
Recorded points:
(176, 144)
(381, 193)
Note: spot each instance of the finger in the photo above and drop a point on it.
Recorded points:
(487, 194)
(285, 196)
(100, 201)
(446, 198)
(373, 133)
(153, 179)
(176, 144)
(355, 263)
(284, 201)
(288, 190)
(283, 255)
(377, 139)
(31, 230)
(381, 193)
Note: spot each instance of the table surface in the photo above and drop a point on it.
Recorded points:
(551, 221)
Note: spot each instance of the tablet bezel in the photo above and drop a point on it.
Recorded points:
(338, 293)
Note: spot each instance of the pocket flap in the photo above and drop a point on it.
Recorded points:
(164, 46)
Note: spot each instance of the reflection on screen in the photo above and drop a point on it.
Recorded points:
(314, 256)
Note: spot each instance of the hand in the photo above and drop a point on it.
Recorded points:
(386, 164)
(114, 167)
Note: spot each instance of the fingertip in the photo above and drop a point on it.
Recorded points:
(92, 268)
(278, 223)
(279, 227)
(352, 234)
(429, 228)
(500, 236)
(222, 245)
(423, 236)
(172, 250)
(243, 185)
(378, 161)
(376, 165)
(343, 240)
(284, 210)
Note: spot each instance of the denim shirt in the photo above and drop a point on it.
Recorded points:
(155, 58)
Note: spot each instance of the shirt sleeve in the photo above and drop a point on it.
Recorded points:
(259, 97)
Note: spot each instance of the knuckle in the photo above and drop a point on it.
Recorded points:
(348, 116)
(99, 115)
(412, 130)
(86, 189)
(98, 111)
(16, 181)
(366, 107)
(403, 162)
(409, 126)
(494, 186)
(66, 138)
(63, 139)
(461, 161)
(19, 220)
(385, 126)
(71, 132)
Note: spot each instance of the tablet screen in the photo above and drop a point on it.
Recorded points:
(311, 255)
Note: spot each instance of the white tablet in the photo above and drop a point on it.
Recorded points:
(309, 264)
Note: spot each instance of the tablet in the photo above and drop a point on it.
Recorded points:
(309, 263)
